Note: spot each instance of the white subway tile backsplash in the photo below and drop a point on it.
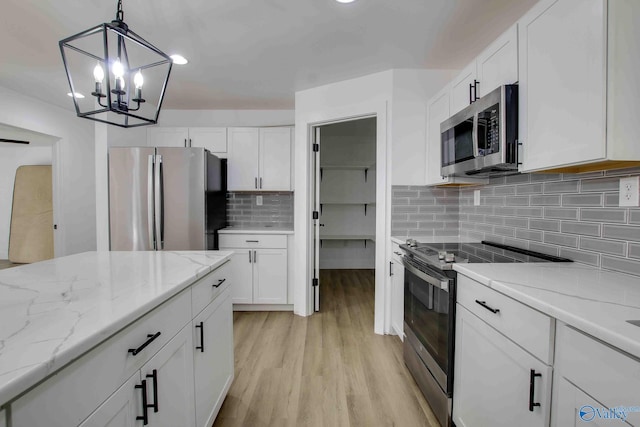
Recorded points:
(622, 232)
(614, 247)
(587, 229)
(276, 210)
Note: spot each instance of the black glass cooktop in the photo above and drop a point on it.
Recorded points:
(443, 255)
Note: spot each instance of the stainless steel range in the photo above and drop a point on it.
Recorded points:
(429, 310)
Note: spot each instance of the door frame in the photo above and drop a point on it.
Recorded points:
(304, 204)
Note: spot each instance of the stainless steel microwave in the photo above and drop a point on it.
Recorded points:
(482, 139)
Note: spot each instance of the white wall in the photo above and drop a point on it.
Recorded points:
(10, 159)
(398, 98)
(368, 95)
(74, 154)
(111, 136)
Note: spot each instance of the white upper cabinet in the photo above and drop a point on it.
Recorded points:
(259, 159)
(213, 139)
(275, 159)
(497, 65)
(579, 92)
(242, 169)
(462, 88)
(167, 137)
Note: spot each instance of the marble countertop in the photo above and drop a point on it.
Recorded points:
(258, 229)
(595, 301)
(52, 312)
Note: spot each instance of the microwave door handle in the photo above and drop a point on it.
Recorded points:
(474, 133)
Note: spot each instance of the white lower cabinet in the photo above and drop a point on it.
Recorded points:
(150, 373)
(259, 267)
(121, 409)
(397, 291)
(593, 382)
(213, 358)
(493, 377)
(169, 383)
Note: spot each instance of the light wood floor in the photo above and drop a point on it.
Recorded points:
(328, 369)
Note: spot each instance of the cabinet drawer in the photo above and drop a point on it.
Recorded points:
(209, 287)
(529, 328)
(74, 392)
(253, 241)
(610, 376)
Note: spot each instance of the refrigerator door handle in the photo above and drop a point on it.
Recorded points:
(150, 198)
(159, 210)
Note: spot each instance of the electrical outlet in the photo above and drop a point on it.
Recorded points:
(476, 197)
(258, 200)
(630, 191)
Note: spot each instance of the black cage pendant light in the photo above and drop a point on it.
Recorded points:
(107, 67)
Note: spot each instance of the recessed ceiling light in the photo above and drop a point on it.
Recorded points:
(179, 59)
(345, 1)
(76, 95)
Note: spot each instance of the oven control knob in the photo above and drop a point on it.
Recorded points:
(449, 257)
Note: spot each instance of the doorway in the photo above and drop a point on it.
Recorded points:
(28, 223)
(344, 195)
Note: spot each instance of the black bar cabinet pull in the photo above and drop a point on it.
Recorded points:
(532, 389)
(252, 241)
(256, 183)
(475, 90)
(151, 338)
(470, 96)
(484, 304)
(260, 182)
(201, 346)
(154, 377)
(220, 282)
(145, 415)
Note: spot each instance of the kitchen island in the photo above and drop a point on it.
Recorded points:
(61, 315)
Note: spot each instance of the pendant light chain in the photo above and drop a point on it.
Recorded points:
(120, 12)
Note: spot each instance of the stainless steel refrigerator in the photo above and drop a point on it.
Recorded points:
(165, 198)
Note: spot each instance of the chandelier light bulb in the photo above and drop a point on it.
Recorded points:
(117, 69)
(138, 80)
(98, 73)
(121, 80)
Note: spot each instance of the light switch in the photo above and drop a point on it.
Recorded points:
(476, 197)
(258, 200)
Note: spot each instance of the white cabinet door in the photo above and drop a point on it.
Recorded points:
(562, 61)
(461, 94)
(492, 378)
(243, 155)
(168, 137)
(397, 298)
(241, 269)
(213, 139)
(437, 112)
(573, 408)
(270, 277)
(213, 357)
(121, 409)
(173, 385)
(275, 159)
(498, 64)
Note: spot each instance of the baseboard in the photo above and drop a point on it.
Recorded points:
(262, 307)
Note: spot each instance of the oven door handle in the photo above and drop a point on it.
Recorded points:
(441, 284)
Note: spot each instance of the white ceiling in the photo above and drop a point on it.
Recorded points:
(254, 54)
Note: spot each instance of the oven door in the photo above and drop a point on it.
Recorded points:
(429, 304)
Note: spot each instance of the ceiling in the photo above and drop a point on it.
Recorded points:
(249, 54)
